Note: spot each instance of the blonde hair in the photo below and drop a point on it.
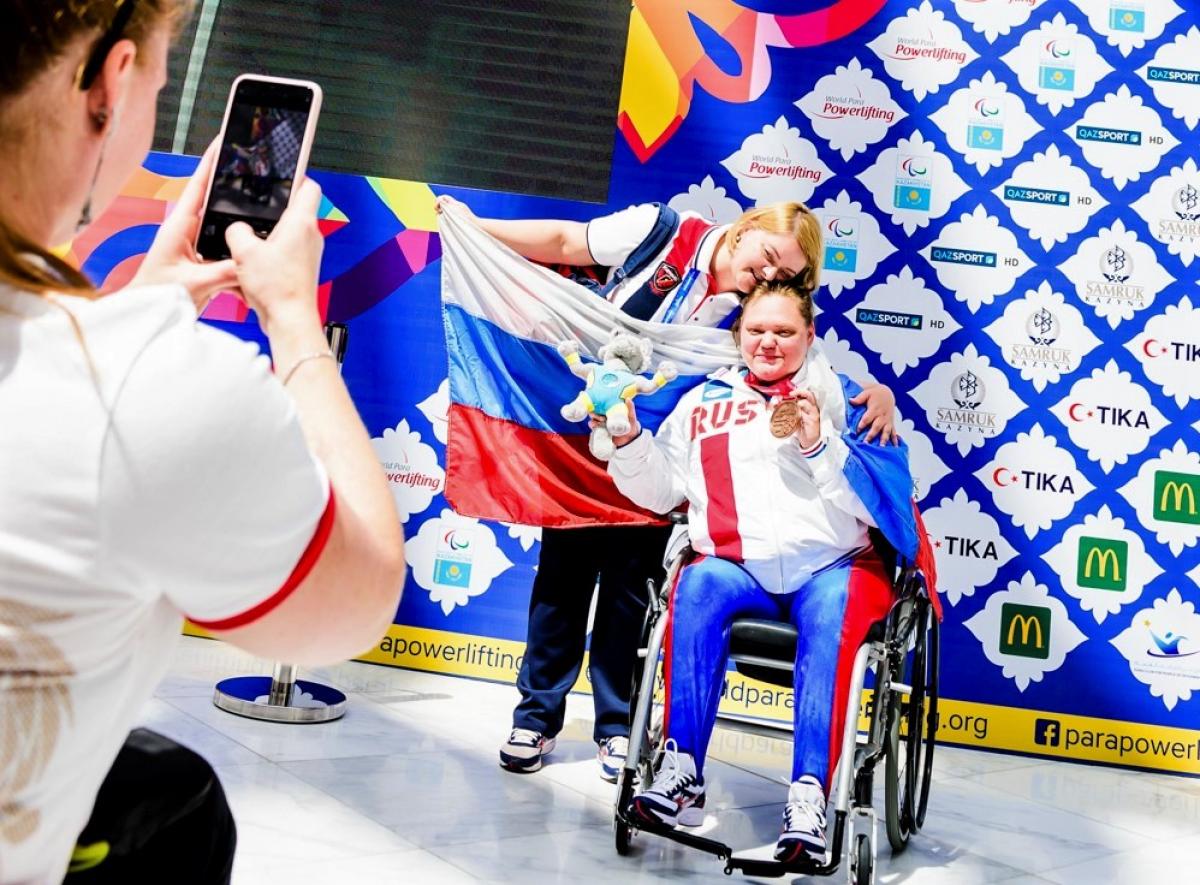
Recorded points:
(793, 219)
(35, 35)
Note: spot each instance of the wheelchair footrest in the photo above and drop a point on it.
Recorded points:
(749, 866)
(773, 869)
(681, 835)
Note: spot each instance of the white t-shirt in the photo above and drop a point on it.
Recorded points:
(170, 477)
(612, 238)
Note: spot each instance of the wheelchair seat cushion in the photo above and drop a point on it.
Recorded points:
(775, 639)
(763, 639)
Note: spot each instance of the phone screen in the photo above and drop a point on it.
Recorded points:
(260, 151)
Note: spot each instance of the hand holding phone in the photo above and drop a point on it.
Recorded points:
(264, 148)
(278, 276)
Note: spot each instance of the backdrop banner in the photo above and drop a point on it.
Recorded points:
(1011, 204)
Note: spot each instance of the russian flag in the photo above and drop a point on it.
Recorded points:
(510, 455)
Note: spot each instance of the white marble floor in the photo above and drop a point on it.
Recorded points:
(405, 788)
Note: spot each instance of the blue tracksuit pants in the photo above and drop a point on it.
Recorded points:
(832, 613)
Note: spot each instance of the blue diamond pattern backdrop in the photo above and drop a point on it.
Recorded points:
(1010, 200)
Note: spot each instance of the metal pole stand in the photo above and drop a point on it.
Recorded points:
(281, 697)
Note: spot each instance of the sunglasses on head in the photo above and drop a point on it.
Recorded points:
(116, 28)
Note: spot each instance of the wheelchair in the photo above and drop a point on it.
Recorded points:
(901, 651)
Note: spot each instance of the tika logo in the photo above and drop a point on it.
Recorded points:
(1175, 496)
(1102, 564)
(971, 548)
(1113, 416)
(1180, 350)
(1047, 732)
(666, 278)
(1025, 630)
(1034, 480)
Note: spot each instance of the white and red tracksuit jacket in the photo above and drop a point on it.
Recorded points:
(753, 499)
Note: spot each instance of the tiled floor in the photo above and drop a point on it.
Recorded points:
(406, 788)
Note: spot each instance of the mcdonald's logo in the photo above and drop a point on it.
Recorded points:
(1102, 564)
(1175, 497)
(1025, 630)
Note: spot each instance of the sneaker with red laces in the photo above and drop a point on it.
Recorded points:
(803, 822)
(677, 794)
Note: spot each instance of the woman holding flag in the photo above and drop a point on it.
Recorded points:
(671, 268)
(780, 499)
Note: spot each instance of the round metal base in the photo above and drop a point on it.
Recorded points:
(309, 702)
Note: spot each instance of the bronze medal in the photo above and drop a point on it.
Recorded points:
(785, 418)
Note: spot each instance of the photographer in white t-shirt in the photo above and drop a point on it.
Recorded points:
(151, 467)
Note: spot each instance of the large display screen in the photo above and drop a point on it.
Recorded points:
(516, 96)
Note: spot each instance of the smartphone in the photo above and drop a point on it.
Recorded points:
(265, 142)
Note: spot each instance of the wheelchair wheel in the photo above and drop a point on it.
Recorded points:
(862, 864)
(909, 763)
(925, 772)
(622, 836)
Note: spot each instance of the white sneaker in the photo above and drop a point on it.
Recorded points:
(611, 756)
(524, 749)
(803, 822)
(677, 794)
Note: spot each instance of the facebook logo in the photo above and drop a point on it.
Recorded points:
(1047, 732)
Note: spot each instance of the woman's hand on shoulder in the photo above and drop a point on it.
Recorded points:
(172, 257)
(880, 415)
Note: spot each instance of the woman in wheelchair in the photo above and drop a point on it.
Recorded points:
(781, 493)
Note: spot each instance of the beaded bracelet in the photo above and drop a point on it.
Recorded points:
(316, 355)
